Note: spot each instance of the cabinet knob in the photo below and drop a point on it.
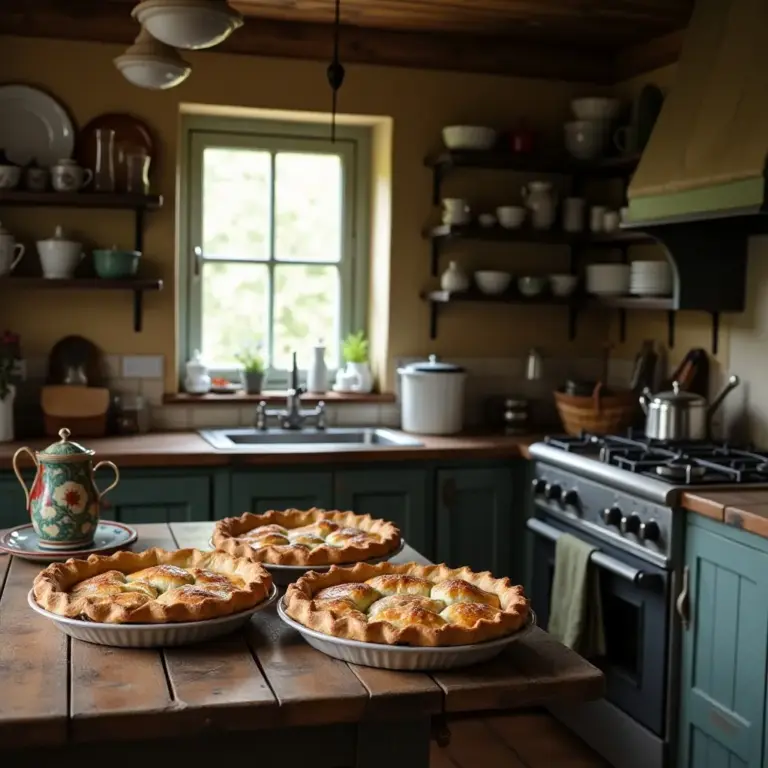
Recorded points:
(571, 498)
(630, 524)
(538, 486)
(612, 516)
(649, 531)
(553, 491)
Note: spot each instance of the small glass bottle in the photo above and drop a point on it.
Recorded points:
(137, 173)
(104, 172)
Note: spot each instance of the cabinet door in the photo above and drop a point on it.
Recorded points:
(138, 499)
(259, 491)
(396, 495)
(13, 503)
(474, 512)
(724, 653)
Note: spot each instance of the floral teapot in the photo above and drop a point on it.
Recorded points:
(64, 501)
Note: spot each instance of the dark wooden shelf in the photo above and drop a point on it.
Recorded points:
(135, 285)
(116, 200)
(633, 302)
(511, 296)
(528, 235)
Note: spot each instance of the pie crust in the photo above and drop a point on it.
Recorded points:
(410, 604)
(306, 537)
(152, 587)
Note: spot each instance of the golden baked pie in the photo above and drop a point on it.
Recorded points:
(411, 604)
(306, 537)
(152, 587)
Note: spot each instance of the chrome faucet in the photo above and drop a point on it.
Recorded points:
(293, 417)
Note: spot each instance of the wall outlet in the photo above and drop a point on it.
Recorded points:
(143, 367)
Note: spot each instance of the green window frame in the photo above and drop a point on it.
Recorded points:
(352, 146)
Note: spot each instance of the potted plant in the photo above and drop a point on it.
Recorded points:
(253, 370)
(355, 352)
(10, 354)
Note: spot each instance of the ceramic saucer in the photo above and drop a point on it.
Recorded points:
(23, 542)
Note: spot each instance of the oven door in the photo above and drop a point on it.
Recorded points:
(634, 595)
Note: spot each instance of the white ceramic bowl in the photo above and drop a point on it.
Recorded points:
(585, 139)
(469, 137)
(10, 175)
(595, 108)
(511, 216)
(487, 220)
(563, 285)
(531, 285)
(608, 279)
(492, 282)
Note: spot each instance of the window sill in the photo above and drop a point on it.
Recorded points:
(274, 397)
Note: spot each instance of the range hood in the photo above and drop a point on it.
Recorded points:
(706, 158)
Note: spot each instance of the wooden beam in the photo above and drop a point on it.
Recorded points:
(96, 20)
(646, 57)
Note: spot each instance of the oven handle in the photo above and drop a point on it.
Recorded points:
(616, 567)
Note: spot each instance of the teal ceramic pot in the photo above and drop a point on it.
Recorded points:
(64, 501)
(113, 264)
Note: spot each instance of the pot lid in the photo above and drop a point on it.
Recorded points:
(678, 395)
(58, 234)
(65, 447)
(433, 365)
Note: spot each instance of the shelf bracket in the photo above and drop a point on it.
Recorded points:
(622, 325)
(671, 329)
(138, 310)
(435, 247)
(138, 237)
(715, 331)
(433, 320)
(437, 183)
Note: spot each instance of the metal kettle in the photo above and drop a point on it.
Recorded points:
(679, 415)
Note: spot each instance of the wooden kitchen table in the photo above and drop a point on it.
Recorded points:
(262, 694)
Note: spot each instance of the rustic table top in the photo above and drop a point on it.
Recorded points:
(57, 691)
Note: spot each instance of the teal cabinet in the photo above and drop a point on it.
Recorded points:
(13, 503)
(152, 499)
(724, 648)
(399, 495)
(474, 519)
(258, 491)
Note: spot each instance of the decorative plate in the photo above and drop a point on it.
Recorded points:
(23, 542)
(33, 125)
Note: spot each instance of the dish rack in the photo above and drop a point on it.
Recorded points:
(597, 413)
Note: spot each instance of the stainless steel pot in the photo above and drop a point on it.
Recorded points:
(679, 415)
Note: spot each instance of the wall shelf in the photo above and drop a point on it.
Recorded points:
(137, 286)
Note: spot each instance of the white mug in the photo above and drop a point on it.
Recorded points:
(455, 211)
(610, 221)
(597, 218)
(573, 214)
(10, 256)
(68, 176)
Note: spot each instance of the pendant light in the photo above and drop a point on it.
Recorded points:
(188, 24)
(148, 63)
(335, 71)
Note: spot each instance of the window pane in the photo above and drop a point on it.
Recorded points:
(235, 310)
(306, 309)
(236, 199)
(308, 199)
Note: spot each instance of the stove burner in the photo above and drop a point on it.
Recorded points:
(681, 469)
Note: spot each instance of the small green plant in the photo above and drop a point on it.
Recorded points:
(252, 360)
(355, 348)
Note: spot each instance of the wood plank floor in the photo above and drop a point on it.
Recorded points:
(529, 740)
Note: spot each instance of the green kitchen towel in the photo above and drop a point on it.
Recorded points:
(576, 611)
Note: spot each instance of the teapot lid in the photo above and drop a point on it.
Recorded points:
(65, 448)
(58, 233)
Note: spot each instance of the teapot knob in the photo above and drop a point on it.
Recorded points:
(64, 434)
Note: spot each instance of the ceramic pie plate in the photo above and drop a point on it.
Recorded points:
(404, 657)
(283, 575)
(151, 635)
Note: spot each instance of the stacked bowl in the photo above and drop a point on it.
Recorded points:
(650, 278)
(587, 137)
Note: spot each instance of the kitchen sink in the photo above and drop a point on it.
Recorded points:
(286, 440)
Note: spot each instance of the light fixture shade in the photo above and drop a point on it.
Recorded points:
(188, 24)
(148, 63)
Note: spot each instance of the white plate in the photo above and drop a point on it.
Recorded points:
(34, 125)
(282, 575)
(404, 657)
(150, 635)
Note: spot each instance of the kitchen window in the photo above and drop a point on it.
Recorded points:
(275, 231)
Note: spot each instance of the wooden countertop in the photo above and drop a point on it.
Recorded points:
(58, 691)
(745, 509)
(186, 449)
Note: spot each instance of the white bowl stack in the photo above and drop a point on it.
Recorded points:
(650, 278)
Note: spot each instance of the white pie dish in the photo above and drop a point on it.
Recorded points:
(283, 575)
(151, 635)
(404, 657)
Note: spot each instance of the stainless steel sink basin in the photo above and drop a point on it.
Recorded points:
(287, 440)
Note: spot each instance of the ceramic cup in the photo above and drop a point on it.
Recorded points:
(68, 176)
(611, 221)
(9, 176)
(10, 256)
(597, 218)
(455, 211)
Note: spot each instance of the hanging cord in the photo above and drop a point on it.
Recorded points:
(335, 71)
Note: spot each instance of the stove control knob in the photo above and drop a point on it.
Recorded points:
(539, 486)
(630, 524)
(612, 516)
(571, 498)
(553, 491)
(649, 531)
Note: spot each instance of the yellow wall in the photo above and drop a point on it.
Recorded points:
(82, 77)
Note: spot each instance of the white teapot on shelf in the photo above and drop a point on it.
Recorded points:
(541, 200)
(197, 380)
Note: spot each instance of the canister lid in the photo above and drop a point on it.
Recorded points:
(433, 365)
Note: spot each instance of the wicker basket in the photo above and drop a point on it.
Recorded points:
(602, 415)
